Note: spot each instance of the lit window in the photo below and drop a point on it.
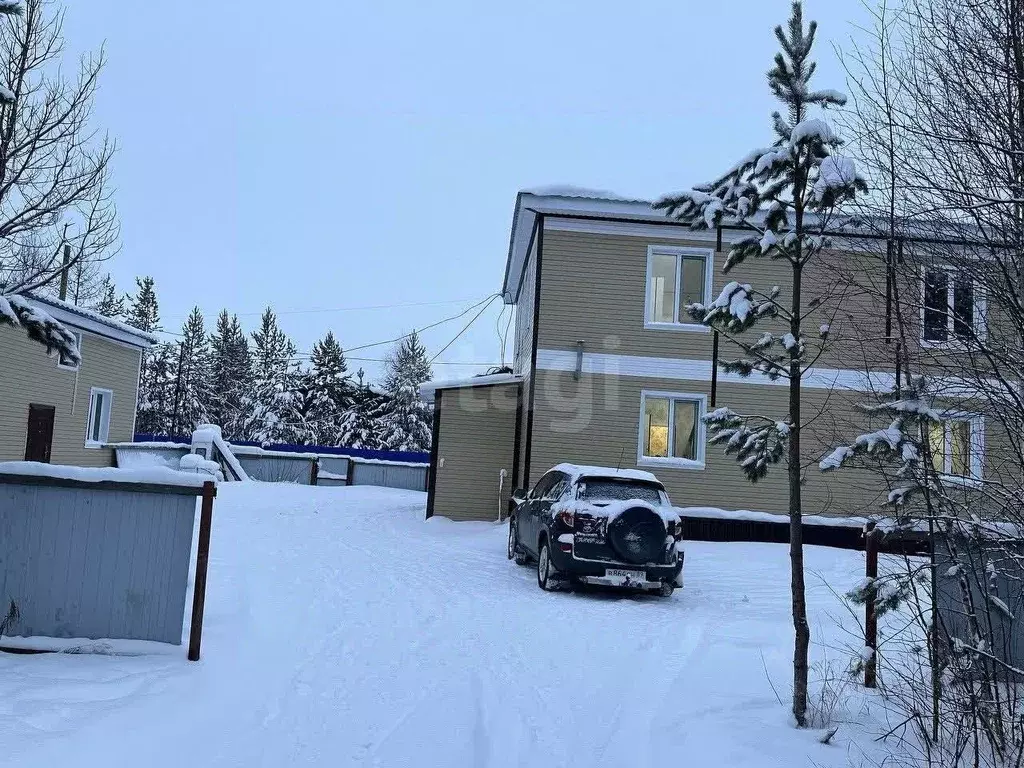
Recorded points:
(951, 309)
(98, 426)
(671, 430)
(676, 277)
(956, 447)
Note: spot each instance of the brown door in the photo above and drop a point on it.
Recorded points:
(40, 433)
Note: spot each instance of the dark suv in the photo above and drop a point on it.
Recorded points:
(595, 525)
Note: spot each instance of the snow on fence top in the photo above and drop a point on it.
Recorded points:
(255, 450)
(404, 457)
(141, 475)
(389, 462)
(428, 388)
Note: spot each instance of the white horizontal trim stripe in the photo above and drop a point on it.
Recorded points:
(631, 229)
(700, 370)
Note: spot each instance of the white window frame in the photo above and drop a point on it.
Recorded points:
(977, 449)
(108, 397)
(980, 310)
(62, 366)
(678, 323)
(673, 461)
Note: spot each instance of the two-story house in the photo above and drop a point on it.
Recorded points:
(609, 369)
(53, 410)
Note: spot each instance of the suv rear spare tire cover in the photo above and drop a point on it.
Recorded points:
(637, 535)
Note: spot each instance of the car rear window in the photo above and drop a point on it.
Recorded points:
(598, 489)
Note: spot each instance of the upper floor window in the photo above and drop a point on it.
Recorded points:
(957, 447)
(676, 277)
(671, 429)
(952, 308)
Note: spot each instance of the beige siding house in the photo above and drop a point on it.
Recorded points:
(66, 414)
(609, 370)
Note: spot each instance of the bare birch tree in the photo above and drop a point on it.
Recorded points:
(940, 100)
(57, 215)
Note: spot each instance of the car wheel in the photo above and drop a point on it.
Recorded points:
(547, 576)
(513, 536)
(667, 588)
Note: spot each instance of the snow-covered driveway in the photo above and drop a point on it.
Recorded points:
(343, 630)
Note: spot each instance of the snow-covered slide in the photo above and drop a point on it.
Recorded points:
(208, 438)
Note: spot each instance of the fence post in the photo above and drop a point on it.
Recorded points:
(314, 471)
(351, 472)
(195, 635)
(870, 618)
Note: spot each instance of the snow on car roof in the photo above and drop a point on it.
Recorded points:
(576, 471)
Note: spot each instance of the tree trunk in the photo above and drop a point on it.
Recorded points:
(796, 531)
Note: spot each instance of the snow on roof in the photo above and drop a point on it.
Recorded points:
(428, 388)
(95, 317)
(576, 471)
(570, 190)
(152, 475)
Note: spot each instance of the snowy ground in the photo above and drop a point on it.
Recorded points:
(342, 630)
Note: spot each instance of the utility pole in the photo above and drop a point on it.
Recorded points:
(64, 272)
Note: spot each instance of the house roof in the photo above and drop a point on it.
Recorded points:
(568, 201)
(93, 322)
(428, 388)
(577, 202)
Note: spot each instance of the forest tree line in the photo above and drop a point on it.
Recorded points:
(259, 388)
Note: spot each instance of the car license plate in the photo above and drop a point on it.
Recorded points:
(623, 575)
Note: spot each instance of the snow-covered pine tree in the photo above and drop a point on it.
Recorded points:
(143, 308)
(108, 302)
(786, 193)
(330, 393)
(156, 393)
(271, 404)
(407, 421)
(230, 376)
(192, 388)
(364, 422)
(155, 385)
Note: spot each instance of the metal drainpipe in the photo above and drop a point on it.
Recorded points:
(501, 488)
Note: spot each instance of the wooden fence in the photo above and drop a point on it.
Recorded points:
(839, 535)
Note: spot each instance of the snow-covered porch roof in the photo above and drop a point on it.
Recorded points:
(427, 389)
(92, 321)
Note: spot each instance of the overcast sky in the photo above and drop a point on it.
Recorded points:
(324, 157)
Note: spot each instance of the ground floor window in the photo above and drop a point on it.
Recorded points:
(671, 430)
(98, 428)
(957, 446)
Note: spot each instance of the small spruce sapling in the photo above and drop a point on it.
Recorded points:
(786, 194)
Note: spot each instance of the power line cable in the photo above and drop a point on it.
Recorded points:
(340, 309)
(301, 356)
(464, 328)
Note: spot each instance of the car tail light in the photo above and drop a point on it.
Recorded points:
(567, 516)
(675, 530)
